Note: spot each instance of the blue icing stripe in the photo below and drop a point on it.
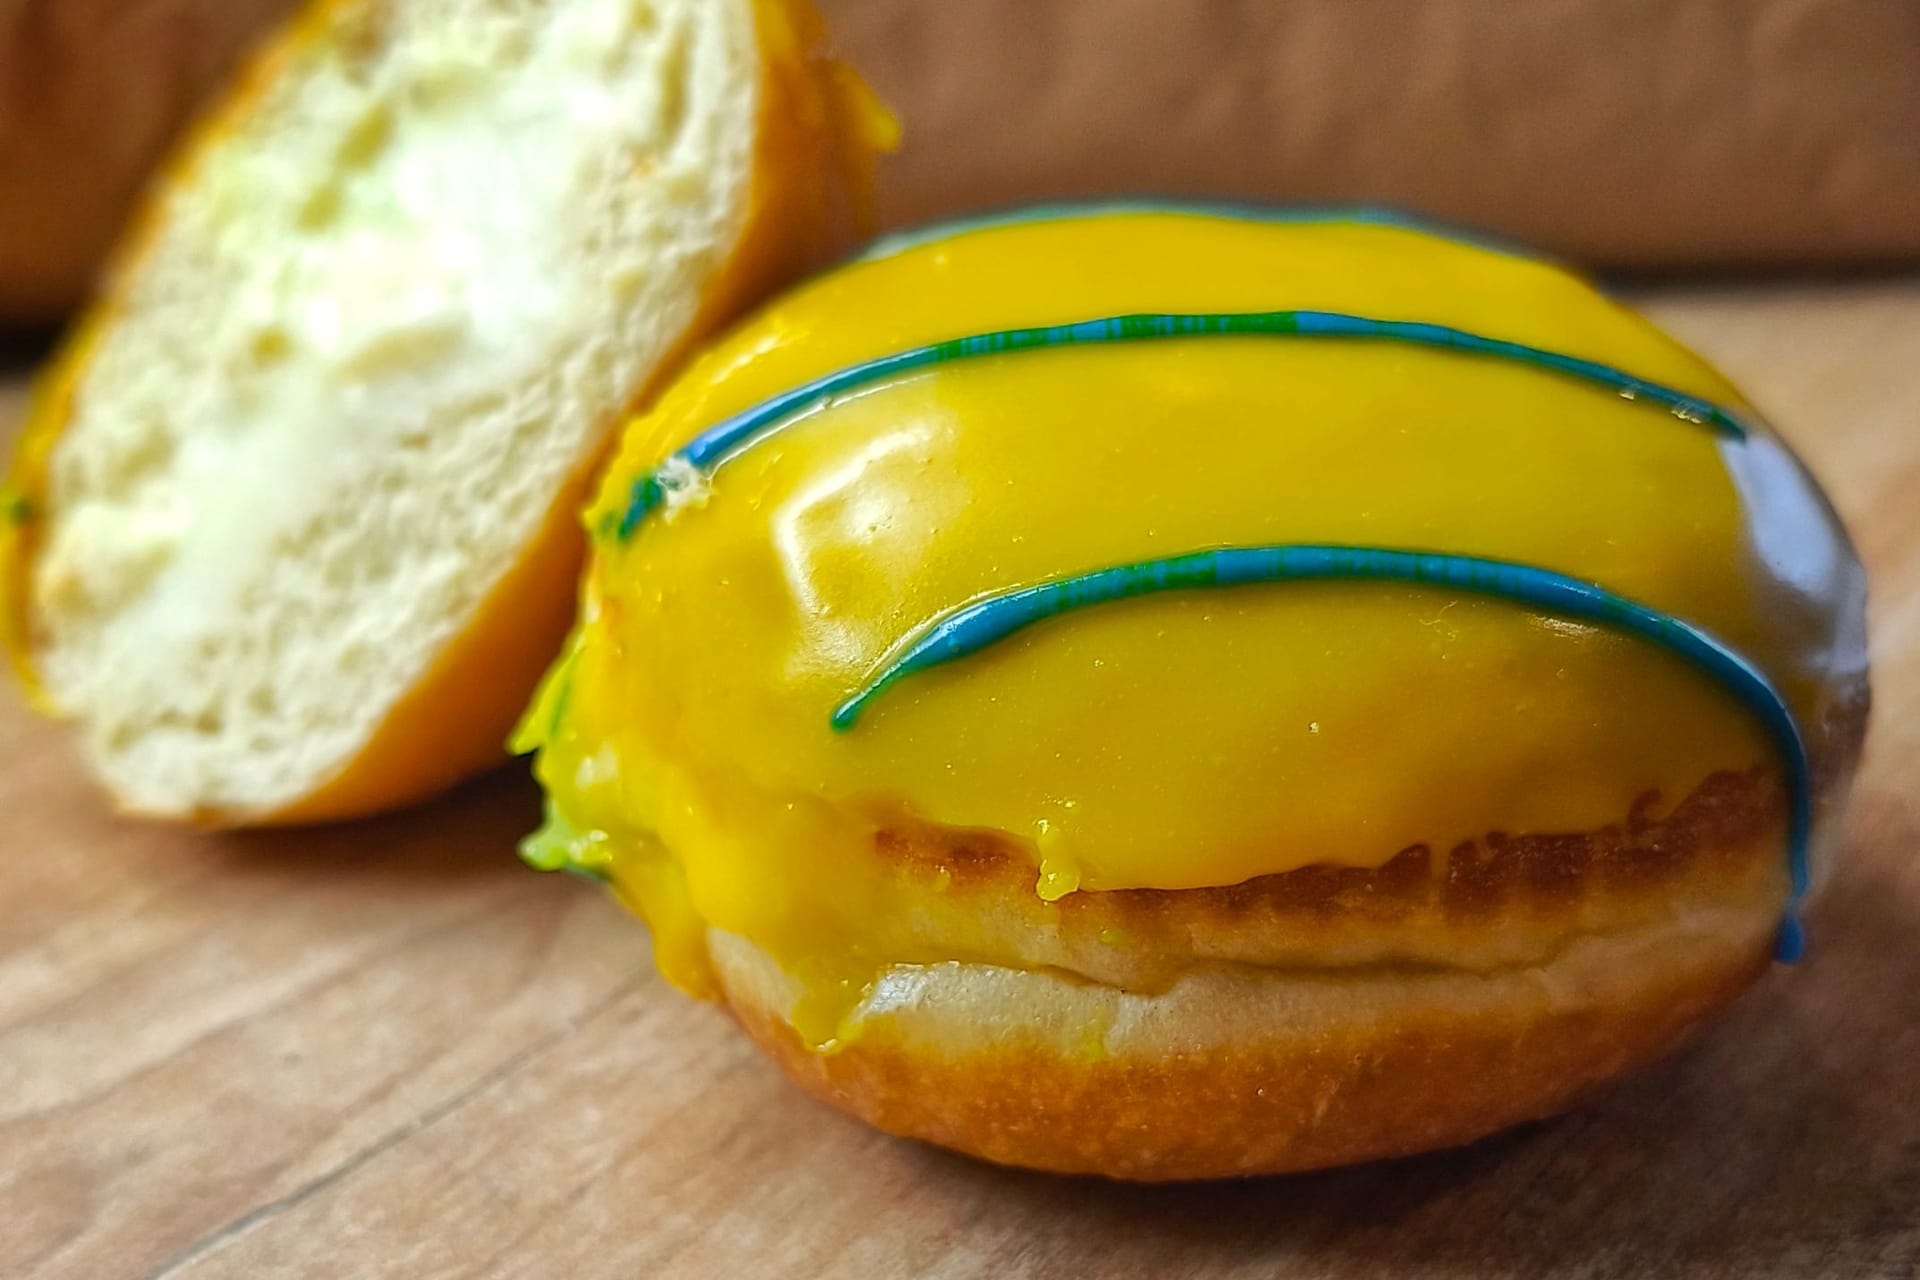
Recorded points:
(1236, 211)
(984, 622)
(980, 624)
(733, 434)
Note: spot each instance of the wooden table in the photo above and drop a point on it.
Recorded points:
(388, 1049)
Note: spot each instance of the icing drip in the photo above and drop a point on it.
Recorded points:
(975, 626)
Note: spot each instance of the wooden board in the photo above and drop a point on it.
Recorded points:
(389, 1050)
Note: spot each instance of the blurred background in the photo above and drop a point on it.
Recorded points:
(1649, 135)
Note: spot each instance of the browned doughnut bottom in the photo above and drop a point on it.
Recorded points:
(1235, 1072)
(1313, 1018)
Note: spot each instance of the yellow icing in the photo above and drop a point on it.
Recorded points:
(1194, 739)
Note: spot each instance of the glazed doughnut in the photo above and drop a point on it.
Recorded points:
(1168, 693)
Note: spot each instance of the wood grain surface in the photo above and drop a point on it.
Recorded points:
(388, 1050)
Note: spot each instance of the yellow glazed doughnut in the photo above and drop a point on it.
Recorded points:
(1177, 693)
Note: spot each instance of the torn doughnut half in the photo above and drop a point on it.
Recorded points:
(292, 528)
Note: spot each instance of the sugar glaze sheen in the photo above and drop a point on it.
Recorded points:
(1050, 805)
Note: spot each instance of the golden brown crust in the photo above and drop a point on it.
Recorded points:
(1492, 903)
(1235, 1071)
(1647, 851)
(1319, 1017)
(1496, 902)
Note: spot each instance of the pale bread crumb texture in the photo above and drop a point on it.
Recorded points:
(386, 317)
(954, 1008)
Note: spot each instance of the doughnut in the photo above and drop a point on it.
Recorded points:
(1173, 692)
(292, 531)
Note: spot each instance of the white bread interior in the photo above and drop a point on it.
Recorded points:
(955, 1008)
(385, 315)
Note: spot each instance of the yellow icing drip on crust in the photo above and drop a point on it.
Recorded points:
(1190, 740)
